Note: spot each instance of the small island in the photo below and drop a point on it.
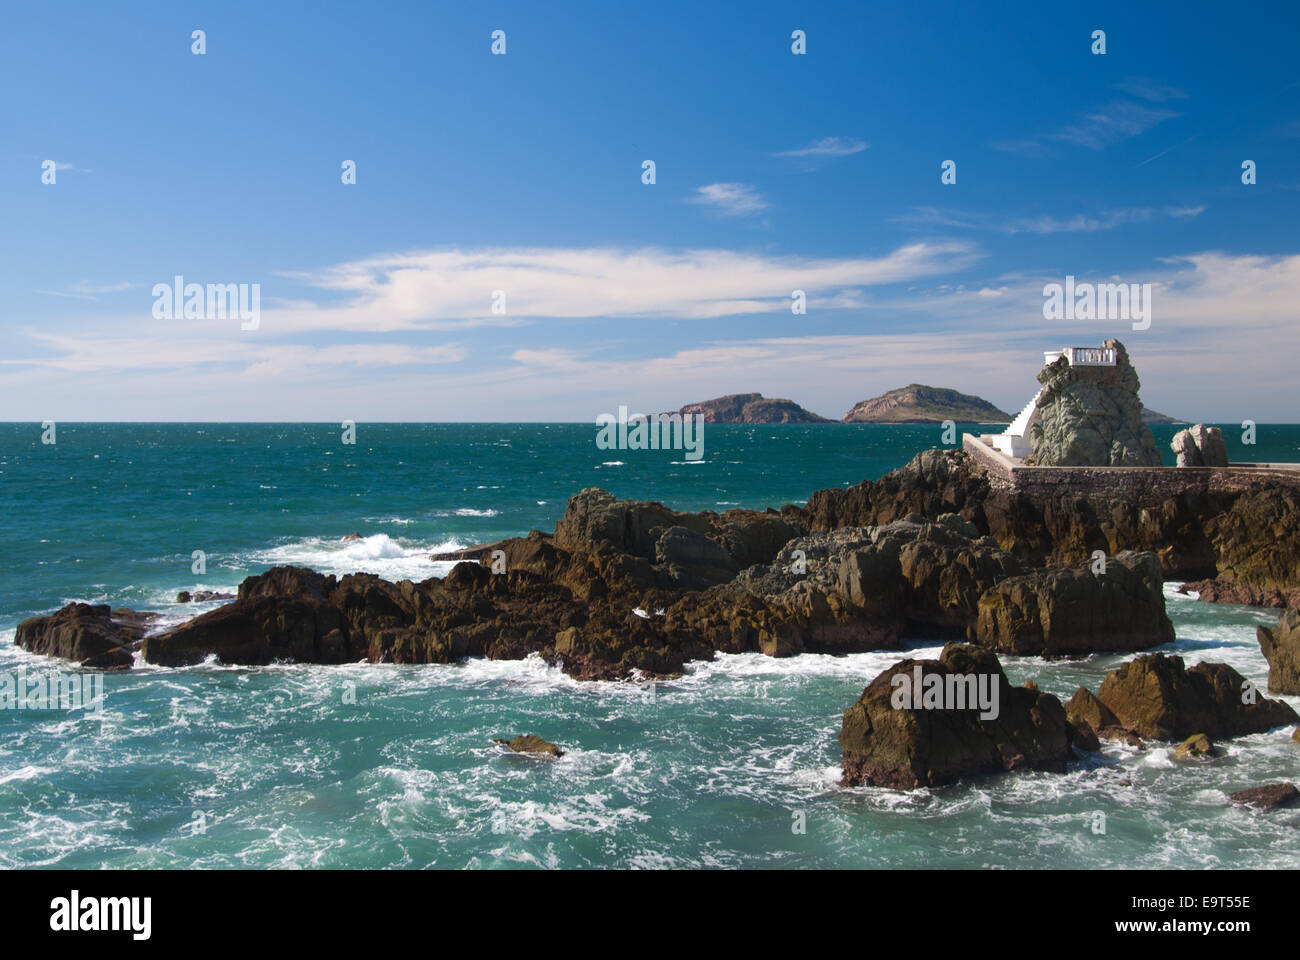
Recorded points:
(918, 403)
(751, 408)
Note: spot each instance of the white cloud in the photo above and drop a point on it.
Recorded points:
(730, 199)
(452, 289)
(1221, 344)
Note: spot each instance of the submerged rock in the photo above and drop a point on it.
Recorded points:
(202, 596)
(1281, 648)
(885, 744)
(530, 743)
(1268, 797)
(1196, 746)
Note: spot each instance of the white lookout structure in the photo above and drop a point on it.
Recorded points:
(1014, 440)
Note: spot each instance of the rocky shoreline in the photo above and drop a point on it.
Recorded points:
(933, 551)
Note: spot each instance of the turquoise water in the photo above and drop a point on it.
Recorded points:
(280, 767)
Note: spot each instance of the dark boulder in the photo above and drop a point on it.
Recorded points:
(1061, 612)
(1155, 697)
(92, 635)
(894, 746)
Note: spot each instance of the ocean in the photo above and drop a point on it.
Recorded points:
(392, 766)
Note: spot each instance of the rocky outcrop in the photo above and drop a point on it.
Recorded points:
(1243, 535)
(1091, 416)
(1072, 612)
(625, 588)
(1280, 645)
(1200, 446)
(1269, 797)
(1155, 697)
(751, 408)
(92, 635)
(917, 403)
(911, 746)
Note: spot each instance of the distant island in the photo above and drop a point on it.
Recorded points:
(914, 403)
(1151, 416)
(751, 408)
(918, 403)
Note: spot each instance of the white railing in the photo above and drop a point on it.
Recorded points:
(1091, 356)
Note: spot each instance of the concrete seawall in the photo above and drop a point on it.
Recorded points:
(1141, 482)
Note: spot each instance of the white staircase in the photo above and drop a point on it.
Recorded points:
(1012, 441)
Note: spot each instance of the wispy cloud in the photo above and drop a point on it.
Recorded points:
(248, 356)
(1101, 128)
(1046, 224)
(1111, 124)
(58, 165)
(828, 147)
(1148, 89)
(1106, 220)
(86, 291)
(935, 217)
(730, 199)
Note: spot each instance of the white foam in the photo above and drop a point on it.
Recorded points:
(392, 559)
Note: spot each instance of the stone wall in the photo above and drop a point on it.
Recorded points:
(1142, 482)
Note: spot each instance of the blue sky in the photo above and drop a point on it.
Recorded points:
(522, 173)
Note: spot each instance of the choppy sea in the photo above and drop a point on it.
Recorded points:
(392, 766)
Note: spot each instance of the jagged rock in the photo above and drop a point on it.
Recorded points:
(1155, 697)
(530, 743)
(907, 748)
(1268, 797)
(1085, 709)
(1200, 446)
(1070, 612)
(1091, 416)
(1196, 746)
(1281, 647)
(92, 635)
